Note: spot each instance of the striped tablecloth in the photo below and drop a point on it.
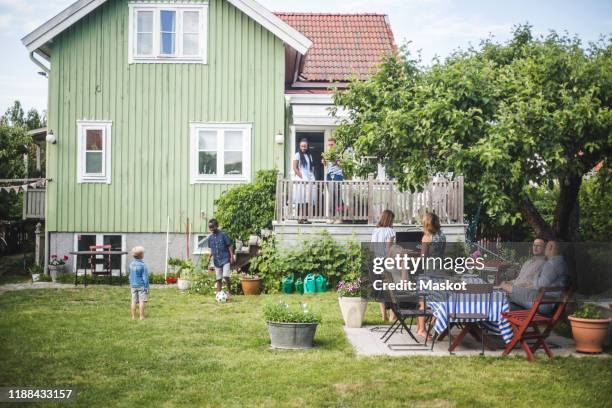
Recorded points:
(470, 303)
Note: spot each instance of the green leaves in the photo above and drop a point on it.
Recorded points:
(505, 116)
(248, 208)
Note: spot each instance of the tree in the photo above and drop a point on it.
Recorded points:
(531, 111)
(14, 143)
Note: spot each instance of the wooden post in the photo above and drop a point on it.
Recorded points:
(370, 199)
(38, 244)
(277, 202)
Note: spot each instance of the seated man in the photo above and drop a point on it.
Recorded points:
(530, 269)
(554, 274)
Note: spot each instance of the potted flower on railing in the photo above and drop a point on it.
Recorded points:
(589, 328)
(353, 302)
(56, 266)
(251, 284)
(291, 327)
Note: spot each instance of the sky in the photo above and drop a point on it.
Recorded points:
(433, 27)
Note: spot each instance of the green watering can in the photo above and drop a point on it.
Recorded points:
(299, 286)
(287, 285)
(321, 284)
(310, 285)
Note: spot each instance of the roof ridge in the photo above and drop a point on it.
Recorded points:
(302, 13)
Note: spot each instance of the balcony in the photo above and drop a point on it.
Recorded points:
(363, 201)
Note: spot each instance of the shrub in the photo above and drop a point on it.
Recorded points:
(322, 255)
(203, 283)
(281, 312)
(248, 208)
(588, 311)
(93, 280)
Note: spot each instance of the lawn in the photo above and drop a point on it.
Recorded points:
(191, 351)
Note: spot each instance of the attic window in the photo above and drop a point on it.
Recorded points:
(167, 33)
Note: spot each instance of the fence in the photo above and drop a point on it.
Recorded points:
(365, 200)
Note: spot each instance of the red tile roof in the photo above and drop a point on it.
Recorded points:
(344, 45)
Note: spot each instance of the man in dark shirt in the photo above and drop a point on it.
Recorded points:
(222, 254)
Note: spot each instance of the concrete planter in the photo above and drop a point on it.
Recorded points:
(353, 310)
(589, 334)
(35, 277)
(292, 335)
(183, 284)
(55, 270)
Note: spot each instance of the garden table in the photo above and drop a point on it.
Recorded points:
(92, 255)
(470, 303)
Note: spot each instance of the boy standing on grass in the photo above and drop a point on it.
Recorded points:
(222, 254)
(139, 281)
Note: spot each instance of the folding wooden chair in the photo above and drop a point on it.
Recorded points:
(405, 306)
(457, 303)
(523, 320)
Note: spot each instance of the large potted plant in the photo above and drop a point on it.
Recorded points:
(291, 327)
(56, 266)
(185, 275)
(589, 328)
(251, 284)
(353, 303)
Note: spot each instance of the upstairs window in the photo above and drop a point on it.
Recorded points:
(168, 32)
(220, 152)
(94, 160)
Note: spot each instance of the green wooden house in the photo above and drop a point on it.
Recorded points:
(156, 108)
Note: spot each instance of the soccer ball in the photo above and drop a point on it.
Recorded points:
(221, 296)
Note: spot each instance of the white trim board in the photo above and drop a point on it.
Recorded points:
(73, 13)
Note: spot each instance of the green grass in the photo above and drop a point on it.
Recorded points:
(191, 351)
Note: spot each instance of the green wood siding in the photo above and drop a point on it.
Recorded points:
(151, 106)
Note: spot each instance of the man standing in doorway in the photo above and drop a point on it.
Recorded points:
(334, 173)
(222, 253)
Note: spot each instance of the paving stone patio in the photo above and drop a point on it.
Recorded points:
(366, 342)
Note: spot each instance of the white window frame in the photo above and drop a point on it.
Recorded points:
(106, 127)
(157, 56)
(196, 244)
(220, 178)
(99, 241)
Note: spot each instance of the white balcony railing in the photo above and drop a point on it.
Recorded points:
(365, 200)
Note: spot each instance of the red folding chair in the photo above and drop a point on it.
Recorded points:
(523, 320)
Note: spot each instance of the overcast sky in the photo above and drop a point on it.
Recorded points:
(436, 27)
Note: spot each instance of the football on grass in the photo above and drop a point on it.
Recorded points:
(221, 296)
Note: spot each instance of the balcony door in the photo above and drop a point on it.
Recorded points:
(316, 145)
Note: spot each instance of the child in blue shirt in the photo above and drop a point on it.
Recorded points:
(139, 281)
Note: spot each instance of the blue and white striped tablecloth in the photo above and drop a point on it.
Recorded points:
(471, 303)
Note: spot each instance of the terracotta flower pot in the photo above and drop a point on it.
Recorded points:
(589, 334)
(353, 310)
(251, 286)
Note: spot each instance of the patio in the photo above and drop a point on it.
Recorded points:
(366, 342)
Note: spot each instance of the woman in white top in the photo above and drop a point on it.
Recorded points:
(384, 237)
(303, 170)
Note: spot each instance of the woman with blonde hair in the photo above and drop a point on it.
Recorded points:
(433, 245)
(383, 238)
